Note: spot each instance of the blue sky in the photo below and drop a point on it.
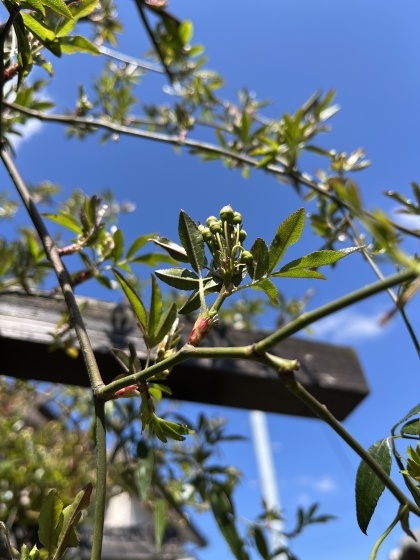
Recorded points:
(369, 53)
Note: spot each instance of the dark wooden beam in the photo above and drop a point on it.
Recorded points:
(332, 373)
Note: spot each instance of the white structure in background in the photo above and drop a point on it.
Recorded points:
(267, 475)
(409, 548)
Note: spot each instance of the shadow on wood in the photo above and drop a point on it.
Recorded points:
(331, 373)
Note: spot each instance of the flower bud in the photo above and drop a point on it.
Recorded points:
(211, 219)
(242, 235)
(206, 233)
(237, 218)
(200, 330)
(216, 227)
(227, 214)
(246, 257)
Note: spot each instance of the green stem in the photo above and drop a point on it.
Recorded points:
(101, 467)
(85, 346)
(59, 269)
(310, 317)
(319, 409)
(401, 511)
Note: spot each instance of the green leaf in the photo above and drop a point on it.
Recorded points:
(179, 278)
(413, 412)
(118, 239)
(160, 521)
(185, 32)
(66, 220)
(37, 6)
(288, 233)
(155, 309)
(82, 8)
(368, 486)
(70, 518)
(192, 241)
(40, 30)
(59, 7)
(78, 44)
(134, 299)
(48, 520)
(175, 251)
(260, 253)
(137, 244)
(269, 289)
(24, 51)
(411, 428)
(261, 543)
(165, 324)
(224, 515)
(318, 258)
(300, 273)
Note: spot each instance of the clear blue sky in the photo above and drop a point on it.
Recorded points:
(369, 53)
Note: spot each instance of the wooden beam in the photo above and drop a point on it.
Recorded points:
(332, 373)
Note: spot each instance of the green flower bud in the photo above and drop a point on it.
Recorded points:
(227, 214)
(211, 219)
(237, 218)
(216, 227)
(242, 235)
(246, 257)
(206, 233)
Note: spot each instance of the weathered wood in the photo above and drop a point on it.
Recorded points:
(332, 373)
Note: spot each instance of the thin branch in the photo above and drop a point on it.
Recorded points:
(101, 469)
(177, 140)
(59, 269)
(156, 46)
(311, 317)
(322, 412)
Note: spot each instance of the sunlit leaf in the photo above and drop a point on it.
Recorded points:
(134, 299)
(59, 7)
(78, 44)
(299, 273)
(118, 249)
(175, 251)
(37, 6)
(368, 486)
(39, 29)
(66, 220)
(269, 289)
(288, 233)
(318, 258)
(185, 32)
(180, 278)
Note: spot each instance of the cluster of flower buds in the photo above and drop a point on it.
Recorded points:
(224, 237)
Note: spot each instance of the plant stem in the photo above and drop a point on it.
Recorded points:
(310, 317)
(85, 346)
(385, 534)
(322, 412)
(101, 467)
(59, 269)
